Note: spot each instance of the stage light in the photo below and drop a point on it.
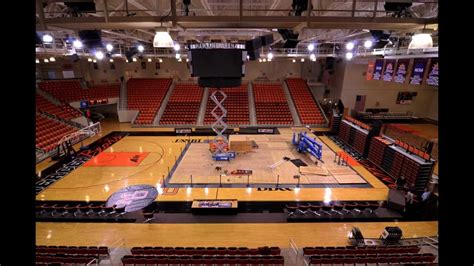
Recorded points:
(89, 59)
(302, 60)
(109, 47)
(52, 59)
(149, 59)
(99, 55)
(270, 56)
(162, 39)
(47, 38)
(310, 47)
(160, 60)
(368, 44)
(77, 44)
(349, 55)
(350, 46)
(141, 48)
(421, 41)
(46, 60)
(134, 59)
(37, 61)
(176, 47)
(111, 60)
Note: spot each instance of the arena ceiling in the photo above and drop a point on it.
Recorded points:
(129, 21)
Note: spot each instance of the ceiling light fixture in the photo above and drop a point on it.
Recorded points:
(109, 47)
(160, 60)
(176, 47)
(162, 39)
(134, 59)
(89, 59)
(52, 59)
(99, 55)
(141, 48)
(37, 61)
(349, 55)
(46, 60)
(350, 46)
(111, 60)
(368, 44)
(310, 47)
(302, 59)
(77, 44)
(47, 38)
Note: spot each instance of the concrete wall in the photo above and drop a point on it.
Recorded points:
(383, 94)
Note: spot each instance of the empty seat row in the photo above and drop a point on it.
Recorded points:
(72, 250)
(63, 111)
(306, 106)
(207, 260)
(55, 260)
(360, 250)
(49, 132)
(71, 90)
(146, 96)
(373, 258)
(87, 209)
(183, 105)
(271, 105)
(205, 251)
(236, 104)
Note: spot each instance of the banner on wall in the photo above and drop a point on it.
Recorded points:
(433, 73)
(378, 69)
(401, 70)
(418, 71)
(370, 70)
(389, 69)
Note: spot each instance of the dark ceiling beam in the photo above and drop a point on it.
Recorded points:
(149, 22)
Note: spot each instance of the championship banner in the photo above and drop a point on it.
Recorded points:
(433, 74)
(389, 69)
(370, 70)
(378, 69)
(418, 71)
(401, 70)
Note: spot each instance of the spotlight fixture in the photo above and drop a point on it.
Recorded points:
(99, 55)
(302, 59)
(37, 61)
(46, 60)
(141, 48)
(349, 55)
(176, 47)
(111, 60)
(52, 59)
(109, 47)
(368, 44)
(421, 41)
(310, 47)
(160, 60)
(149, 59)
(77, 44)
(47, 38)
(162, 39)
(134, 59)
(350, 46)
(270, 56)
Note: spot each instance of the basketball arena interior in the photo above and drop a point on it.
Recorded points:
(236, 132)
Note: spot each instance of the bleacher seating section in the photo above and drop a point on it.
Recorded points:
(307, 108)
(183, 105)
(271, 106)
(367, 254)
(205, 251)
(71, 90)
(62, 111)
(49, 132)
(47, 255)
(146, 96)
(236, 104)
